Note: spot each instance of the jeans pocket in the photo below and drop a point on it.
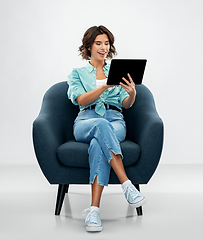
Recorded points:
(82, 113)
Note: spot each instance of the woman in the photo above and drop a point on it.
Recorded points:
(100, 121)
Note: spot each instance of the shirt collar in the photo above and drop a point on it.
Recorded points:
(90, 68)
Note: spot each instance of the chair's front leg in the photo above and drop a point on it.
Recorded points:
(62, 190)
(139, 209)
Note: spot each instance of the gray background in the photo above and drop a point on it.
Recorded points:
(39, 47)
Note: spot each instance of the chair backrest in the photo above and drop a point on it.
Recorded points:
(63, 112)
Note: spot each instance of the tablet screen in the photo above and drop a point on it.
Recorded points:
(120, 67)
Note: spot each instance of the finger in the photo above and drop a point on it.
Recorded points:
(125, 81)
(124, 86)
(131, 80)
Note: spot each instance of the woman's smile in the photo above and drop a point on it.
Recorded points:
(102, 53)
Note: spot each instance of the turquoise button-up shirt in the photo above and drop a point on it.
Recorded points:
(82, 80)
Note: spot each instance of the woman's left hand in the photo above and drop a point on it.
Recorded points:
(129, 86)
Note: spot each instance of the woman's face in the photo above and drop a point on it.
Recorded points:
(100, 48)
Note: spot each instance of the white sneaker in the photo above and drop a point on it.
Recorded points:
(93, 221)
(133, 196)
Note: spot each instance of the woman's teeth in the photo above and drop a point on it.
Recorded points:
(102, 53)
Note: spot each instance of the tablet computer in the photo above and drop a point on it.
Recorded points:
(120, 67)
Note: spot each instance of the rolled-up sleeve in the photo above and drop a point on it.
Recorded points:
(75, 86)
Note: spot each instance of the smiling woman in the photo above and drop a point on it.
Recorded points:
(90, 37)
(100, 122)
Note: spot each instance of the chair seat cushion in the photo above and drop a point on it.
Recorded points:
(75, 154)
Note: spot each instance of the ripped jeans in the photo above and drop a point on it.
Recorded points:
(104, 133)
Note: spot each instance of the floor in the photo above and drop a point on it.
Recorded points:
(174, 208)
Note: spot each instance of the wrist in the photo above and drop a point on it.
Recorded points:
(133, 95)
(104, 86)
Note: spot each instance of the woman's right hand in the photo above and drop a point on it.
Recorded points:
(109, 86)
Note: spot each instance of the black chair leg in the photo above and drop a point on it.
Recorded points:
(62, 190)
(139, 209)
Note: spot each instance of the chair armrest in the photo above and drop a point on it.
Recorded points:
(53, 127)
(148, 134)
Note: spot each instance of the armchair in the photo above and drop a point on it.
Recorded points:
(57, 151)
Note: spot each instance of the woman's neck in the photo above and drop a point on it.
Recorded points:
(97, 64)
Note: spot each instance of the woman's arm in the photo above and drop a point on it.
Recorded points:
(89, 97)
(130, 89)
(128, 101)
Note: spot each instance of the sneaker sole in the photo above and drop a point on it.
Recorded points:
(138, 204)
(94, 229)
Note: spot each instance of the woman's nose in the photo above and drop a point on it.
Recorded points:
(104, 46)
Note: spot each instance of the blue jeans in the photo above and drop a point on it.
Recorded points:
(104, 133)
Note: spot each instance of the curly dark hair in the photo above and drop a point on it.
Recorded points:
(88, 40)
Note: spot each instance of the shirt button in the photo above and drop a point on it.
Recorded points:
(93, 82)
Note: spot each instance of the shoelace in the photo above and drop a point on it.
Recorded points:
(130, 191)
(92, 215)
